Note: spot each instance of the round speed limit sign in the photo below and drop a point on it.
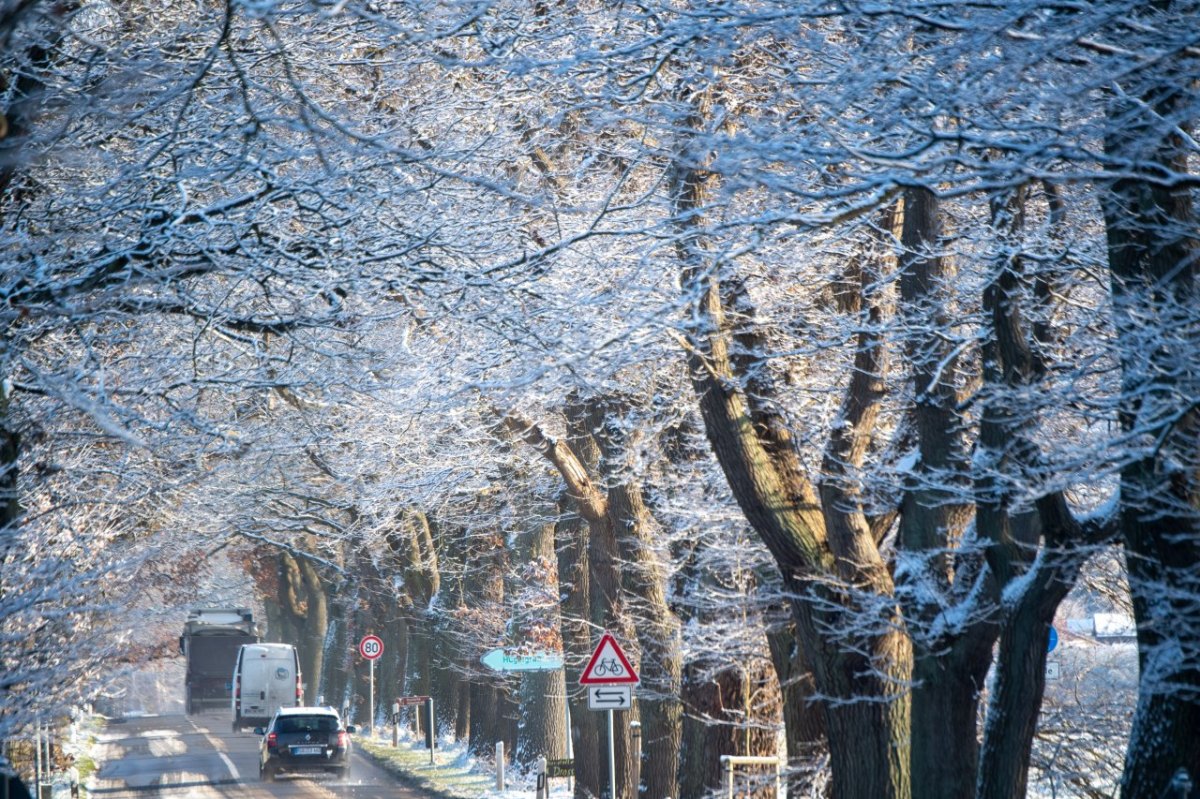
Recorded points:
(370, 647)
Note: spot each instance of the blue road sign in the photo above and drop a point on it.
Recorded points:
(499, 660)
(1053, 640)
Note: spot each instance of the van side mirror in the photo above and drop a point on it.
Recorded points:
(350, 728)
(259, 731)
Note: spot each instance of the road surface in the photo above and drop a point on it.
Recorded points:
(197, 757)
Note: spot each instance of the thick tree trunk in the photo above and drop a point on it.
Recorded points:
(1154, 258)
(338, 665)
(658, 629)
(301, 617)
(573, 575)
(489, 713)
(393, 627)
(867, 723)
(418, 674)
(10, 452)
(710, 727)
(485, 717)
(949, 666)
(415, 555)
(290, 602)
(1020, 681)
(1007, 453)
(868, 719)
(542, 730)
(1015, 703)
(450, 658)
(863, 675)
(316, 626)
(462, 721)
(606, 601)
(945, 710)
(725, 714)
(803, 717)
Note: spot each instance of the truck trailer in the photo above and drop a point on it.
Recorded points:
(210, 642)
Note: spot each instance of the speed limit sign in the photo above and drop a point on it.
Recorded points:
(370, 647)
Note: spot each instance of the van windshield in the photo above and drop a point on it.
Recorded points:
(292, 724)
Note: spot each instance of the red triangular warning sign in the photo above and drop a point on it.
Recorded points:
(608, 665)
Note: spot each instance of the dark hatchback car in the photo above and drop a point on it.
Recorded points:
(304, 740)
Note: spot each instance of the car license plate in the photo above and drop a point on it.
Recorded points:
(308, 750)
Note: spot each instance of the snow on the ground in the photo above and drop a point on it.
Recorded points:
(455, 770)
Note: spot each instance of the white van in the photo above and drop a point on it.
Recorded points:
(266, 677)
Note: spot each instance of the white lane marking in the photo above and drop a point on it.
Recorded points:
(216, 745)
(232, 768)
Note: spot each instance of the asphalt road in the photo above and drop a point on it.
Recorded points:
(197, 757)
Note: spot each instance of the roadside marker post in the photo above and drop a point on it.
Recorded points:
(542, 790)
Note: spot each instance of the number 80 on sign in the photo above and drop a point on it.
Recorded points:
(370, 647)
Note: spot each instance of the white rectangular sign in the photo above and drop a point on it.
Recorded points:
(610, 697)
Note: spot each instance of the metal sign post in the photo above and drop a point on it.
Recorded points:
(371, 647)
(431, 731)
(430, 727)
(609, 677)
(395, 723)
(612, 759)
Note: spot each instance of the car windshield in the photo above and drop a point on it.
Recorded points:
(289, 724)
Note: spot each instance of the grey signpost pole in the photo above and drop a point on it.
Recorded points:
(567, 716)
(396, 723)
(612, 759)
(432, 732)
(635, 731)
(609, 679)
(371, 647)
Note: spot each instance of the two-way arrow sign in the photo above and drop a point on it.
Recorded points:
(609, 697)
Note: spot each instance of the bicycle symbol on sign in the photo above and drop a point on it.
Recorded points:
(606, 666)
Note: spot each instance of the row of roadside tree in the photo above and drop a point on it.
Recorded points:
(813, 349)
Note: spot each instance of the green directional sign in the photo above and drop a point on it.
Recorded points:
(500, 660)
